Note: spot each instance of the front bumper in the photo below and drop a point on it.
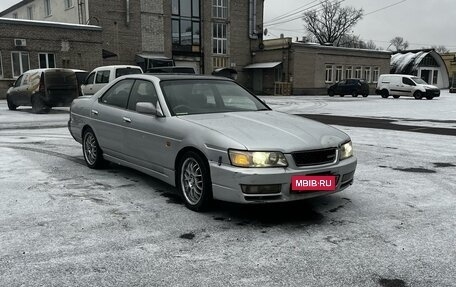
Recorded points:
(432, 93)
(227, 181)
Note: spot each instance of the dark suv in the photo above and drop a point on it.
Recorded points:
(352, 87)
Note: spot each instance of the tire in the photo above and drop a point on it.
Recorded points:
(418, 95)
(93, 155)
(365, 95)
(11, 106)
(194, 181)
(331, 93)
(38, 107)
(396, 97)
(342, 95)
(354, 94)
(429, 97)
(385, 94)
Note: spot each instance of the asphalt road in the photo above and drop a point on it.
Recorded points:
(63, 224)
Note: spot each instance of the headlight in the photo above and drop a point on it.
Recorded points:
(257, 159)
(346, 150)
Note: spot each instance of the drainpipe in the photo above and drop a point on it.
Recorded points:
(128, 11)
(252, 19)
(87, 11)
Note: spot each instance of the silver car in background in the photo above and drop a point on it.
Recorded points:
(212, 139)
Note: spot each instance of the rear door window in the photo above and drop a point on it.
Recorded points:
(102, 77)
(118, 94)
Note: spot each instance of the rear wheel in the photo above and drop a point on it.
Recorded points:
(385, 94)
(194, 181)
(354, 94)
(396, 96)
(11, 106)
(93, 155)
(331, 93)
(418, 95)
(38, 107)
(365, 95)
(342, 95)
(429, 97)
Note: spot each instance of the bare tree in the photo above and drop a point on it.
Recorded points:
(440, 49)
(330, 22)
(399, 43)
(371, 45)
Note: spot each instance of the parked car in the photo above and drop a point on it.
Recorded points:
(172, 69)
(101, 76)
(397, 85)
(212, 139)
(352, 87)
(43, 89)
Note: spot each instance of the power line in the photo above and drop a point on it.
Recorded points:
(299, 17)
(290, 13)
(386, 7)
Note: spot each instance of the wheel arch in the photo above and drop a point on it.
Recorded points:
(181, 154)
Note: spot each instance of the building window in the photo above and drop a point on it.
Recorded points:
(30, 12)
(338, 73)
(68, 4)
(367, 74)
(185, 23)
(329, 74)
(15, 15)
(219, 38)
(46, 60)
(358, 73)
(220, 9)
(47, 8)
(219, 62)
(348, 72)
(20, 62)
(375, 74)
(435, 77)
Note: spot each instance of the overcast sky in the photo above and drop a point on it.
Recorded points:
(422, 23)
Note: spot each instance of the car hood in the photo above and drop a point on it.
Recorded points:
(270, 130)
(430, 87)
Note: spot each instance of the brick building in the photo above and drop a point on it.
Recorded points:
(28, 44)
(207, 35)
(307, 68)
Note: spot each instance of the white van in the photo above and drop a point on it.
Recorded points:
(101, 76)
(397, 85)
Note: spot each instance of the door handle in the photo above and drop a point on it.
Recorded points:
(95, 112)
(127, 120)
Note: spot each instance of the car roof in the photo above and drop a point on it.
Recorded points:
(171, 76)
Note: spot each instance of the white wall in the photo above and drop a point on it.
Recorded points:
(58, 12)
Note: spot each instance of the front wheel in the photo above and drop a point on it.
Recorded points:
(331, 93)
(354, 94)
(396, 96)
(429, 97)
(11, 106)
(194, 181)
(365, 95)
(93, 155)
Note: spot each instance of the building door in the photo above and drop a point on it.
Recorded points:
(257, 81)
(426, 75)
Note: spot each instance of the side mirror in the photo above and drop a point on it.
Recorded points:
(11, 84)
(148, 109)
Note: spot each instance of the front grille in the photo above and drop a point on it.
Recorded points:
(315, 157)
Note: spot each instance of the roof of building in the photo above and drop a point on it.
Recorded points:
(407, 62)
(49, 24)
(15, 6)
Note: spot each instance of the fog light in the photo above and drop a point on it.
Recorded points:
(261, 189)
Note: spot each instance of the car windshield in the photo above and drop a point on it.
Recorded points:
(419, 81)
(199, 96)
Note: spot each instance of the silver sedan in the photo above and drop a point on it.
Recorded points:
(212, 139)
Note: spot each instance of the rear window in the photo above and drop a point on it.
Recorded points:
(127, 71)
(60, 78)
